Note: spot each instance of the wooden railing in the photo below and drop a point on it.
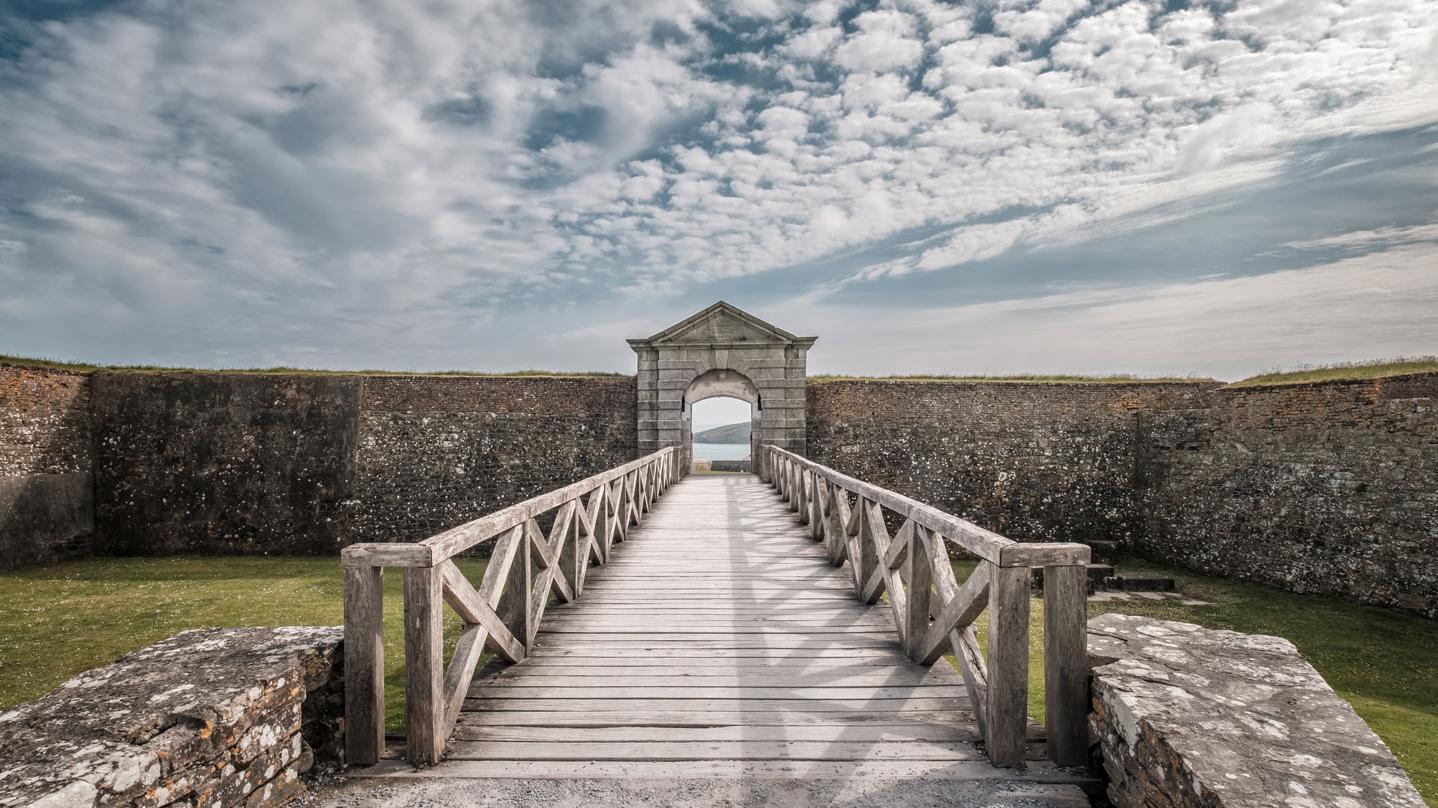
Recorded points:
(935, 613)
(502, 614)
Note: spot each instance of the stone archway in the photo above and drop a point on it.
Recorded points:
(771, 361)
(731, 384)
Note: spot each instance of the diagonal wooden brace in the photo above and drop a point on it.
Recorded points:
(964, 608)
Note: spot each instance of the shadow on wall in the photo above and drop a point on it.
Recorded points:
(46, 481)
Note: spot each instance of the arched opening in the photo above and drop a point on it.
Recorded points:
(722, 411)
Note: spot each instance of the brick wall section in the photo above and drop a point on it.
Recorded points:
(438, 451)
(46, 488)
(222, 463)
(1327, 488)
(1033, 461)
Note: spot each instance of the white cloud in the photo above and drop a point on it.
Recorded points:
(884, 41)
(1369, 238)
(303, 167)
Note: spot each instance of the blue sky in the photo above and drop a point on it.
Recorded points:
(1003, 186)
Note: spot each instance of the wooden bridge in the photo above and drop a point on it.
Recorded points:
(730, 629)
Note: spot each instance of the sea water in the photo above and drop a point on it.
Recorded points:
(721, 451)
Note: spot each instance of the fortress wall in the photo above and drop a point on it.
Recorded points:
(223, 462)
(46, 487)
(1033, 461)
(1328, 488)
(436, 451)
(307, 463)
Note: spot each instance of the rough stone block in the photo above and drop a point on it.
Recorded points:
(1189, 717)
(209, 716)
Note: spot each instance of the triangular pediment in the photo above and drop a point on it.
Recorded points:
(722, 323)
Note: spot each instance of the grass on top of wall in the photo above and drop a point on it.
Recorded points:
(1018, 378)
(283, 370)
(58, 620)
(1385, 663)
(1344, 371)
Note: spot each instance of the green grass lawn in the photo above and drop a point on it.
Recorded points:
(57, 621)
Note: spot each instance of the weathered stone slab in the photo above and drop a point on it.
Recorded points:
(1192, 717)
(209, 716)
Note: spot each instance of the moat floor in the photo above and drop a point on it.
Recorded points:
(717, 659)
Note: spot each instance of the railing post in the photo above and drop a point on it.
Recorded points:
(836, 537)
(816, 509)
(864, 558)
(801, 508)
(1066, 663)
(918, 584)
(515, 597)
(1008, 664)
(364, 665)
(424, 664)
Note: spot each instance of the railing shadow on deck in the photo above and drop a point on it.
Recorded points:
(502, 614)
(935, 613)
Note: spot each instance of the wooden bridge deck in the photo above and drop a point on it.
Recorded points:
(719, 642)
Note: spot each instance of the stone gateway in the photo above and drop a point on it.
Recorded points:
(722, 351)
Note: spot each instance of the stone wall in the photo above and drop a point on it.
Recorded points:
(1188, 717)
(307, 463)
(207, 717)
(1326, 488)
(46, 487)
(1033, 461)
(222, 463)
(435, 451)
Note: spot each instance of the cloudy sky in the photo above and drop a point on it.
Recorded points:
(1214, 187)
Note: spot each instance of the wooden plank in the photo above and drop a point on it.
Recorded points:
(960, 722)
(425, 728)
(364, 664)
(676, 676)
(918, 588)
(827, 733)
(1066, 663)
(461, 669)
(515, 588)
(976, 676)
(894, 706)
(1008, 661)
(518, 689)
(712, 750)
(394, 554)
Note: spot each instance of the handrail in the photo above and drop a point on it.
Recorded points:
(503, 613)
(935, 614)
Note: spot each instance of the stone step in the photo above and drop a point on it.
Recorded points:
(1097, 574)
(1139, 583)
